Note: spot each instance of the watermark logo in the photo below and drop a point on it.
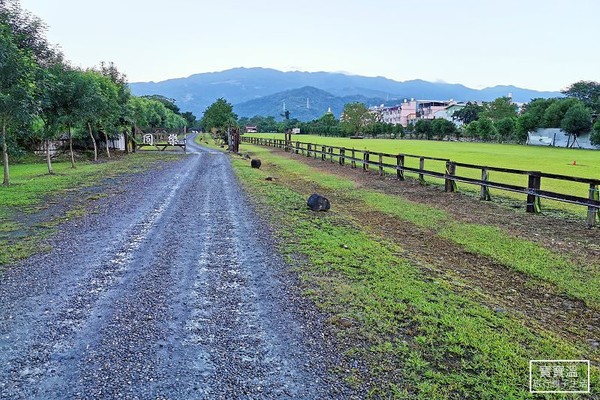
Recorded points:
(559, 376)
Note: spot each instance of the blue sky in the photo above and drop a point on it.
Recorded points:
(538, 44)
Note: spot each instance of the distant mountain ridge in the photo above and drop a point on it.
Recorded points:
(306, 104)
(243, 86)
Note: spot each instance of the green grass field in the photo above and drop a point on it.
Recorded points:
(530, 158)
(417, 336)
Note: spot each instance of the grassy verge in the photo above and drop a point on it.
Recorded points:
(404, 334)
(23, 205)
(577, 280)
(206, 140)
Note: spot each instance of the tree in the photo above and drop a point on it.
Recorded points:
(79, 97)
(472, 130)
(486, 129)
(468, 114)
(424, 128)
(556, 111)
(17, 90)
(524, 124)
(577, 120)
(356, 118)
(398, 130)
(595, 137)
(52, 109)
(328, 120)
(120, 119)
(190, 119)
(500, 108)
(505, 128)
(443, 128)
(218, 117)
(588, 92)
(23, 49)
(28, 32)
(169, 103)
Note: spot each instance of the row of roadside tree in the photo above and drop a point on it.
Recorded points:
(44, 98)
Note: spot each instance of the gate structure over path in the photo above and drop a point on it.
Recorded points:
(161, 140)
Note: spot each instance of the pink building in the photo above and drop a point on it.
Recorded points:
(408, 113)
(411, 111)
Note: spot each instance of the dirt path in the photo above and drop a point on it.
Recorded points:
(172, 290)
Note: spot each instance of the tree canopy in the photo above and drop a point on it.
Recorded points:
(468, 114)
(502, 107)
(355, 118)
(218, 117)
(18, 88)
(577, 120)
(588, 92)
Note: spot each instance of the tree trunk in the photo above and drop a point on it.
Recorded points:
(93, 141)
(6, 180)
(71, 148)
(133, 149)
(48, 158)
(106, 139)
(126, 140)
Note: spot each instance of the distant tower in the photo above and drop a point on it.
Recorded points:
(329, 111)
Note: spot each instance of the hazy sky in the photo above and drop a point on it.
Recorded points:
(538, 44)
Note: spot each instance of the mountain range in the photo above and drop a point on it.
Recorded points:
(263, 91)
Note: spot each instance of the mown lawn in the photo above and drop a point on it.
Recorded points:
(529, 158)
(406, 334)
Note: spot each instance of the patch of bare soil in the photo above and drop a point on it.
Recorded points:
(556, 232)
(537, 304)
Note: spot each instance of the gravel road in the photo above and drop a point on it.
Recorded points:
(171, 290)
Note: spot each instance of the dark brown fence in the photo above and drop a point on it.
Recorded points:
(366, 159)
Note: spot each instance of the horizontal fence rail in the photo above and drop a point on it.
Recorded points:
(366, 159)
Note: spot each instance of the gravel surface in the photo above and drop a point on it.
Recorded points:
(172, 290)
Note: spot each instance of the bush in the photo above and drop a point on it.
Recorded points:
(595, 137)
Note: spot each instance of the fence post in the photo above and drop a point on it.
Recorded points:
(421, 168)
(380, 164)
(308, 150)
(353, 162)
(342, 156)
(330, 154)
(400, 167)
(323, 153)
(450, 183)
(297, 147)
(366, 160)
(533, 185)
(593, 211)
(485, 190)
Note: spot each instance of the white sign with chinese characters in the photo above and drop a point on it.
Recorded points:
(149, 139)
(172, 140)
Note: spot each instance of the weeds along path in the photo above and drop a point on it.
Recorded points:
(172, 290)
(538, 304)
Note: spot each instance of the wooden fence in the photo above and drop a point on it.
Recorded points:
(366, 159)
